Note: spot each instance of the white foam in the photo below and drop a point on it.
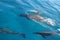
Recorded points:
(58, 29)
(50, 21)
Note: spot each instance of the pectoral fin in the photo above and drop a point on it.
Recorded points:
(43, 36)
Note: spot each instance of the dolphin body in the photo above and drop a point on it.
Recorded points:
(6, 30)
(37, 18)
(45, 34)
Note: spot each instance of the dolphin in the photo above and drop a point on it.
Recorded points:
(37, 18)
(6, 30)
(45, 34)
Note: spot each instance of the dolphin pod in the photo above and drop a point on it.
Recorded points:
(44, 33)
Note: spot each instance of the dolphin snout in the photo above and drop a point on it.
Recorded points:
(23, 15)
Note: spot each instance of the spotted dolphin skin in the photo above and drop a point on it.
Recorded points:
(6, 30)
(37, 18)
(45, 34)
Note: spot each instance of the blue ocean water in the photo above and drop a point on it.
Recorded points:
(9, 17)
